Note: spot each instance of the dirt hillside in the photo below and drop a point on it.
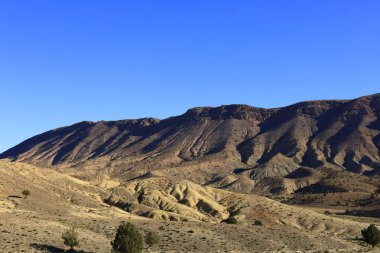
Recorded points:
(187, 216)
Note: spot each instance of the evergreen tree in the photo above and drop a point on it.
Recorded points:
(371, 235)
(70, 238)
(128, 239)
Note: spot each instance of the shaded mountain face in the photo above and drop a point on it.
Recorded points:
(207, 144)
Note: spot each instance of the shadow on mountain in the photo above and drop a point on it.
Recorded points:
(53, 249)
(362, 213)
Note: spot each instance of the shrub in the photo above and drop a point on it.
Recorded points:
(151, 239)
(26, 193)
(127, 239)
(371, 235)
(70, 238)
(258, 223)
(231, 220)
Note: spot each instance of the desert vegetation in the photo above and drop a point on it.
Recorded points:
(70, 238)
(151, 239)
(129, 239)
(371, 235)
(25, 193)
(230, 220)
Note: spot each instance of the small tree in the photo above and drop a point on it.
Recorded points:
(258, 223)
(151, 239)
(128, 239)
(26, 193)
(70, 238)
(231, 220)
(371, 235)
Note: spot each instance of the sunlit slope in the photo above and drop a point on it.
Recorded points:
(205, 143)
(95, 208)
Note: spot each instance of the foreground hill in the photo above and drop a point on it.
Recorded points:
(233, 146)
(96, 208)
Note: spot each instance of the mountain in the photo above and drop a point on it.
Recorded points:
(316, 165)
(209, 145)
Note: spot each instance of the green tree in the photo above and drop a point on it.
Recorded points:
(231, 220)
(258, 223)
(151, 239)
(128, 239)
(26, 193)
(371, 235)
(70, 238)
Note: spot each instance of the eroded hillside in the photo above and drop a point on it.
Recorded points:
(187, 216)
(253, 146)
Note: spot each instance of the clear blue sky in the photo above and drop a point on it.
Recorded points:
(66, 61)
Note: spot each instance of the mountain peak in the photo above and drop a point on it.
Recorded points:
(233, 111)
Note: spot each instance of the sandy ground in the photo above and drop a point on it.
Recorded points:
(57, 202)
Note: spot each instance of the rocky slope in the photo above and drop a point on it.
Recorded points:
(58, 201)
(209, 145)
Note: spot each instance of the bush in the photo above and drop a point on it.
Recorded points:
(127, 239)
(151, 239)
(26, 193)
(371, 235)
(231, 220)
(258, 223)
(70, 238)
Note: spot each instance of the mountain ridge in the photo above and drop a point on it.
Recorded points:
(209, 142)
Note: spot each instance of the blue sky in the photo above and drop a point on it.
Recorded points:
(66, 61)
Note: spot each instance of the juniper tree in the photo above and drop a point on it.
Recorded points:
(70, 238)
(371, 235)
(128, 239)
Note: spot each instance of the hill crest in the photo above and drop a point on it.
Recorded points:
(206, 143)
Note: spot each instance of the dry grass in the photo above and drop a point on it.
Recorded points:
(58, 201)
